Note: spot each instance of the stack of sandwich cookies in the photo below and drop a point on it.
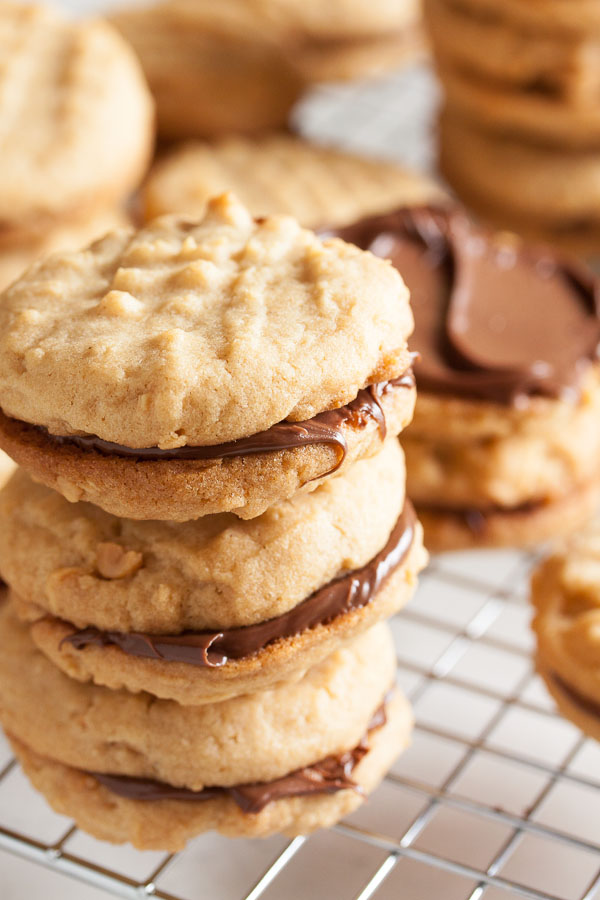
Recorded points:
(521, 112)
(565, 592)
(77, 124)
(211, 585)
(505, 442)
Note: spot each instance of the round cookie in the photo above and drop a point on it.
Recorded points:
(303, 365)
(505, 442)
(565, 591)
(213, 68)
(281, 173)
(219, 629)
(552, 192)
(169, 824)
(511, 53)
(238, 752)
(76, 119)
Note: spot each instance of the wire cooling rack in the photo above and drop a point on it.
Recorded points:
(498, 797)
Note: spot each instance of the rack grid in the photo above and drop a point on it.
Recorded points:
(497, 797)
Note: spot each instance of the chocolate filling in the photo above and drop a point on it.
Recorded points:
(214, 649)
(324, 428)
(476, 520)
(494, 320)
(589, 706)
(327, 776)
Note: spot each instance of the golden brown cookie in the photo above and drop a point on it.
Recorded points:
(213, 68)
(544, 191)
(281, 173)
(169, 824)
(233, 750)
(202, 611)
(565, 591)
(202, 366)
(76, 119)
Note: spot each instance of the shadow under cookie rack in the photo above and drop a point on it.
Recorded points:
(498, 797)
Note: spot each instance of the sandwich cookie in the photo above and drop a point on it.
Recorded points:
(204, 366)
(565, 592)
(204, 610)
(133, 768)
(505, 443)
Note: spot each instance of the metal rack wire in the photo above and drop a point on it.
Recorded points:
(497, 797)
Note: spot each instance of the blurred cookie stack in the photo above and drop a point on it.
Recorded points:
(209, 527)
(520, 125)
(239, 66)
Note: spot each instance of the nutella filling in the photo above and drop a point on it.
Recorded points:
(324, 428)
(214, 649)
(586, 704)
(494, 320)
(476, 520)
(327, 776)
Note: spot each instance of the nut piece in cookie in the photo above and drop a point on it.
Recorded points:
(203, 366)
(505, 443)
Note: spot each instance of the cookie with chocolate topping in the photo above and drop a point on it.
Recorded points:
(129, 767)
(202, 366)
(505, 443)
(204, 610)
(565, 591)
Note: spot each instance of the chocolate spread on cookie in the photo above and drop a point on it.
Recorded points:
(213, 649)
(327, 776)
(495, 320)
(324, 428)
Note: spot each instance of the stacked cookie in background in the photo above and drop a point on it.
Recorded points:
(238, 67)
(77, 129)
(505, 442)
(196, 640)
(520, 128)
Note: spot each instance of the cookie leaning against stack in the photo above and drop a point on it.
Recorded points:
(565, 592)
(166, 634)
(281, 173)
(77, 125)
(505, 443)
(521, 112)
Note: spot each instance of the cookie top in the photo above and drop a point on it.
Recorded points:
(566, 595)
(199, 332)
(92, 568)
(75, 116)
(479, 301)
(281, 173)
(257, 737)
(336, 19)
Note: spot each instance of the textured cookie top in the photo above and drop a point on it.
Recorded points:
(281, 173)
(75, 115)
(196, 333)
(219, 571)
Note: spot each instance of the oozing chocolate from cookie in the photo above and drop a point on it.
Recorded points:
(213, 649)
(495, 320)
(327, 776)
(324, 428)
